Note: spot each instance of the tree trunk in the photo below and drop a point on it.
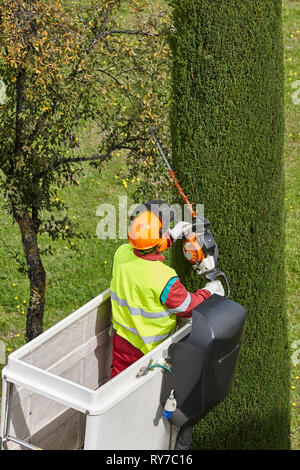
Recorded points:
(29, 228)
(36, 275)
(227, 122)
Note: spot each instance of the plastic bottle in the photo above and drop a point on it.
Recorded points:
(170, 406)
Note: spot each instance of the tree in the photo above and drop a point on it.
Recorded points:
(64, 64)
(227, 127)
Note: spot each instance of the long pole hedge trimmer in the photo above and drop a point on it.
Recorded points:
(200, 247)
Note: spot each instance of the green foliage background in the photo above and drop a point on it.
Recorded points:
(227, 124)
(77, 275)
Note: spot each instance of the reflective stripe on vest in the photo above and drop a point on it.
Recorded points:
(140, 311)
(147, 339)
(137, 312)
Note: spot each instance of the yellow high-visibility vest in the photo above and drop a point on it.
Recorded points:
(137, 312)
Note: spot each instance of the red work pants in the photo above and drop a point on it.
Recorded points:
(124, 354)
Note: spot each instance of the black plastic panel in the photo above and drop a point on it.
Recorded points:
(203, 363)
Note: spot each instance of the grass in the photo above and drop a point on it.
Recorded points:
(77, 274)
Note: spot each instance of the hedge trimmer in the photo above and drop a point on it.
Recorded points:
(200, 247)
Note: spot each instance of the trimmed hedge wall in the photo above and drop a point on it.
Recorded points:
(227, 126)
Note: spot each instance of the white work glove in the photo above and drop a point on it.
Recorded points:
(215, 287)
(181, 229)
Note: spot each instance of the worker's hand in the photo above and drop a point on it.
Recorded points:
(215, 287)
(181, 229)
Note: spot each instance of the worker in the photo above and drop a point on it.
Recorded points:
(147, 295)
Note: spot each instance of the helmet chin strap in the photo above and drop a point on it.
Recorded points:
(150, 250)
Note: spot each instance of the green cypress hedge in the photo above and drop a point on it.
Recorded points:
(227, 127)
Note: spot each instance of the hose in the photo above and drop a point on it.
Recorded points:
(159, 365)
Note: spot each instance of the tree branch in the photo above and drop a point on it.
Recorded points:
(100, 34)
(82, 159)
(131, 32)
(20, 86)
(120, 84)
(63, 161)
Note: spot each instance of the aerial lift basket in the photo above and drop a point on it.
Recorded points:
(56, 392)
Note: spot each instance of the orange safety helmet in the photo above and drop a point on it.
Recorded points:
(146, 229)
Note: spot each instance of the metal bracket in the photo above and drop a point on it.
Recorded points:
(20, 442)
(144, 370)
